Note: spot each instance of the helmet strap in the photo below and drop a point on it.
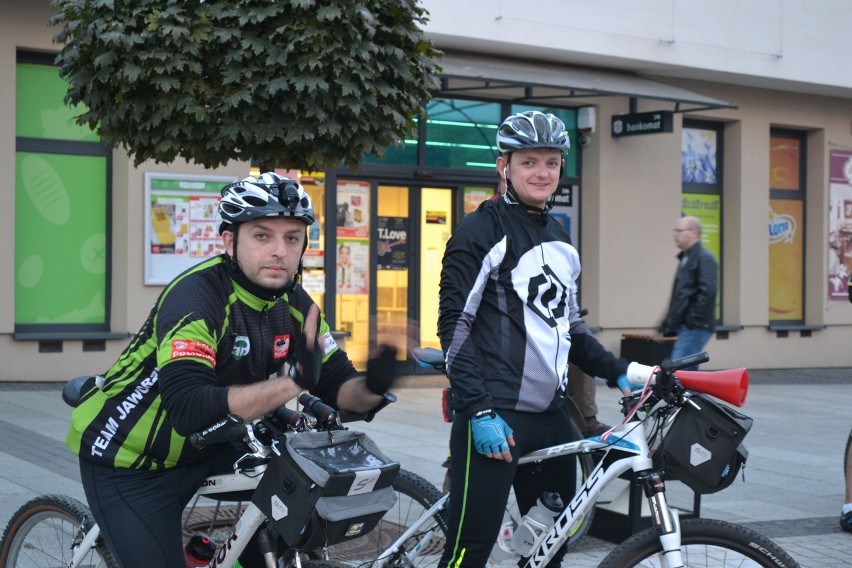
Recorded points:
(298, 276)
(234, 262)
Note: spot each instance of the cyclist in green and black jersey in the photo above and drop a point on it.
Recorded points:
(213, 344)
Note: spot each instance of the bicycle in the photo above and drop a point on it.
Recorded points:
(647, 447)
(430, 357)
(57, 530)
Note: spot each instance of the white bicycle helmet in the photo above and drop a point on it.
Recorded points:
(269, 195)
(532, 129)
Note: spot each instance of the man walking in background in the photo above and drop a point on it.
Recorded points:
(692, 309)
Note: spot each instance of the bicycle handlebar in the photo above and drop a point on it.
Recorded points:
(637, 372)
(670, 379)
(231, 428)
(669, 365)
(221, 431)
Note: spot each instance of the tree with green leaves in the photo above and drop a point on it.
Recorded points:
(296, 83)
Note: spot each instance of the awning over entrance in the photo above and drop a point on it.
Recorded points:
(547, 84)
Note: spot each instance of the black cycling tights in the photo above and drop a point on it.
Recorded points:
(479, 486)
(139, 512)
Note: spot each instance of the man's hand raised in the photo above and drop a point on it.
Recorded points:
(305, 370)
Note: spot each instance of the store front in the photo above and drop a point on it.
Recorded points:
(374, 257)
(373, 260)
(378, 278)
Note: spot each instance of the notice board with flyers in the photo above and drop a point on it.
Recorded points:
(180, 223)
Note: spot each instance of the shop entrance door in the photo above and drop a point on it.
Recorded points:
(388, 264)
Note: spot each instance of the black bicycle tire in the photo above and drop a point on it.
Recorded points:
(365, 550)
(721, 535)
(52, 508)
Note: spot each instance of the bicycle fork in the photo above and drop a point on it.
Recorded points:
(665, 519)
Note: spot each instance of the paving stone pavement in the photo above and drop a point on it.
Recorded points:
(792, 492)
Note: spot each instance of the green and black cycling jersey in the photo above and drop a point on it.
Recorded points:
(210, 328)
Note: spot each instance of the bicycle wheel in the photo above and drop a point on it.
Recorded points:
(414, 496)
(705, 543)
(43, 533)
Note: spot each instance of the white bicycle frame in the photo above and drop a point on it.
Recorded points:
(630, 438)
(244, 528)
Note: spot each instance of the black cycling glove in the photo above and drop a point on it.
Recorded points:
(382, 370)
(307, 361)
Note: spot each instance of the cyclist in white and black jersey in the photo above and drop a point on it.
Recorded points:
(212, 345)
(509, 323)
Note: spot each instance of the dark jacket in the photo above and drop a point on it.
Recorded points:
(693, 302)
(509, 321)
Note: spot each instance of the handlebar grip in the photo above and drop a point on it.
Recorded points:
(293, 419)
(217, 432)
(669, 365)
(321, 411)
(638, 373)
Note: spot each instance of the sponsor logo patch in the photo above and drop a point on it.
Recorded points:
(327, 344)
(182, 348)
(242, 346)
(281, 346)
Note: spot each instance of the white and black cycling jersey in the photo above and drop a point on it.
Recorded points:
(509, 317)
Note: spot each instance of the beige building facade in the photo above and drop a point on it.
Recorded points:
(630, 188)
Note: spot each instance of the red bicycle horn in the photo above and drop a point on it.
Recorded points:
(730, 385)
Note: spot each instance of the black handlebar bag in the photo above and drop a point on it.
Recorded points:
(703, 445)
(326, 487)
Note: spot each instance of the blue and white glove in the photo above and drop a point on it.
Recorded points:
(490, 434)
(625, 385)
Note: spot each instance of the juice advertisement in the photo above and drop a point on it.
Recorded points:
(785, 260)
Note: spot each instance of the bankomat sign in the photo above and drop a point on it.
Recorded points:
(642, 123)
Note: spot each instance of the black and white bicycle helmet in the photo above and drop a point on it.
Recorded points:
(269, 195)
(532, 129)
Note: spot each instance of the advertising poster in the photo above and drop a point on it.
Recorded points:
(840, 225)
(313, 282)
(786, 249)
(353, 209)
(352, 266)
(180, 223)
(392, 243)
(698, 156)
(708, 209)
(784, 163)
(473, 196)
(436, 217)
